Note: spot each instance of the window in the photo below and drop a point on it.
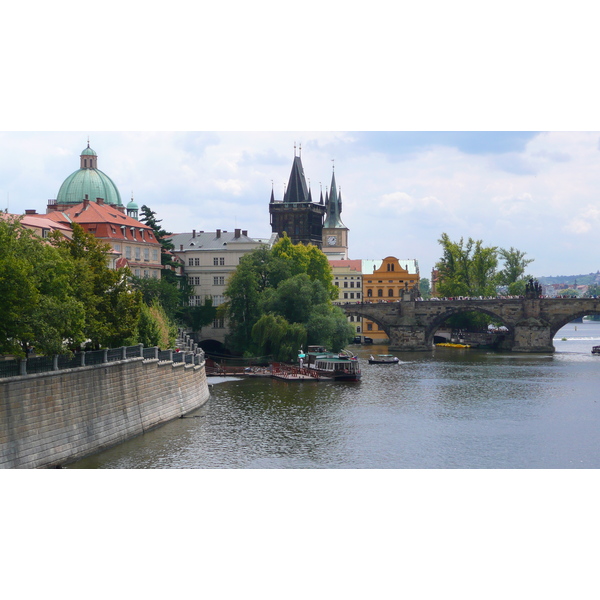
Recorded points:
(146, 273)
(369, 326)
(336, 283)
(215, 261)
(191, 262)
(155, 254)
(218, 280)
(390, 267)
(218, 300)
(146, 253)
(345, 284)
(222, 261)
(137, 272)
(346, 295)
(369, 293)
(127, 251)
(351, 295)
(380, 293)
(219, 323)
(137, 253)
(390, 293)
(358, 294)
(117, 247)
(352, 284)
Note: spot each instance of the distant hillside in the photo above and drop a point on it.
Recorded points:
(588, 279)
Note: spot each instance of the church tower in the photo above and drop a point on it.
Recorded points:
(335, 233)
(297, 215)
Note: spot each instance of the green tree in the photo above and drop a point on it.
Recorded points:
(425, 288)
(37, 303)
(196, 317)
(513, 271)
(287, 293)
(111, 307)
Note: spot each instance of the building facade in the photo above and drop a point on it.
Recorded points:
(387, 280)
(347, 277)
(209, 259)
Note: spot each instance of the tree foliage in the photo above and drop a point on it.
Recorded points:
(470, 269)
(281, 299)
(38, 303)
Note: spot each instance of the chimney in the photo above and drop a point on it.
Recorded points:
(30, 211)
(180, 247)
(86, 202)
(218, 233)
(245, 233)
(237, 233)
(193, 233)
(99, 200)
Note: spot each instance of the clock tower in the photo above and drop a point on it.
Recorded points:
(335, 233)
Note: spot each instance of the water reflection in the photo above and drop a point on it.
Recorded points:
(445, 409)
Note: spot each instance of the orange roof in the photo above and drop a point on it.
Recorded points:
(104, 220)
(353, 265)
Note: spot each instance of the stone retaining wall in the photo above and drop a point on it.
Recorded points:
(50, 419)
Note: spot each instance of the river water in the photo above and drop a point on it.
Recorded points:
(444, 409)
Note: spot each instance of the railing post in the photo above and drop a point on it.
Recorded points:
(105, 357)
(23, 366)
(171, 355)
(141, 350)
(156, 352)
(82, 359)
(123, 352)
(55, 362)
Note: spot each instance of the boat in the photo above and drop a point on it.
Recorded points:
(336, 366)
(596, 350)
(383, 359)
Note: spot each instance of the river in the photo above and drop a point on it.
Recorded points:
(444, 409)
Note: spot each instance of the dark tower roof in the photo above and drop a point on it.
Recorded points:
(297, 190)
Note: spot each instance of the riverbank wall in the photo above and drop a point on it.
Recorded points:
(51, 419)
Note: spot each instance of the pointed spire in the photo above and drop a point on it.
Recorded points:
(272, 193)
(297, 190)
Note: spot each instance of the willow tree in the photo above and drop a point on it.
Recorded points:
(284, 292)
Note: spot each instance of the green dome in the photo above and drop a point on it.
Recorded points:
(90, 181)
(132, 205)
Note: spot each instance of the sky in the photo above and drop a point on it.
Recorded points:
(538, 192)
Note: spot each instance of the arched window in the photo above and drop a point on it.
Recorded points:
(391, 293)
(380, 293)
(369, 293)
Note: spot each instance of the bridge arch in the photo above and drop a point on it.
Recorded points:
(451, 311)
(558, 324)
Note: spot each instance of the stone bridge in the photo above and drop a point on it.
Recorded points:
(532, 323)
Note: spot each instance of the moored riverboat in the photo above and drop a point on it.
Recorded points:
(338, 366)
(383, 359)
(596, 350)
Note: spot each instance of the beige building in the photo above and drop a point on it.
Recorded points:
(347, 277)
(209, 259)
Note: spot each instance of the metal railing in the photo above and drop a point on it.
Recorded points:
(46, 364)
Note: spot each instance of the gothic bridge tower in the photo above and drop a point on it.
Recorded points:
(297, 214)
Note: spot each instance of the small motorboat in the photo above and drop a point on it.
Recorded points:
(383, 359)
(596, 350)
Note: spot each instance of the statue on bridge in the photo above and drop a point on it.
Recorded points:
(533, 289)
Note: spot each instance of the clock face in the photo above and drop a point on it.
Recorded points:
(332, 240)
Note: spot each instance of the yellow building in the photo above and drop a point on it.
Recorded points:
(387, 280)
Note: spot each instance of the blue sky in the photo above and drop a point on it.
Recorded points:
(535, 191)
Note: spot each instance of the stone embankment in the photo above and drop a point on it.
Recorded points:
(53, 418)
